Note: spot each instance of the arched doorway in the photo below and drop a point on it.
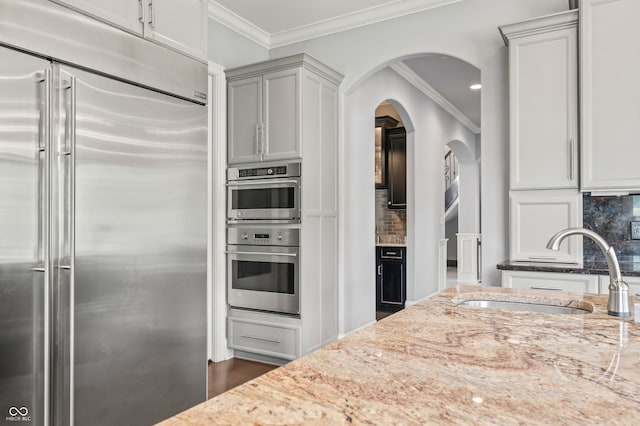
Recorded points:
(429, 127)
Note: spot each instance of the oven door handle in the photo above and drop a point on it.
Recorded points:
(262, 182)
(262, 253)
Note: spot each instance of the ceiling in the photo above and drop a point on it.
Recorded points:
(451, 77)
(275, 23)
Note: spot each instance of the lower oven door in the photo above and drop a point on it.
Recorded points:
(264, 278)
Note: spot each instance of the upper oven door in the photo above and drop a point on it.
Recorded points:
(264, 278)
(264, 199)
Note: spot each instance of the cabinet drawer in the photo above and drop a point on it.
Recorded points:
(550, 281)
(397, 253)
(263, 338)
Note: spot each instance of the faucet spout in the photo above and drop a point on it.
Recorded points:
(618, 290)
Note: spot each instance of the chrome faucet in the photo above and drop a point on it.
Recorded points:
(618, 305)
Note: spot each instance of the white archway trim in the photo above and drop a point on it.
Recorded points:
(424, 87)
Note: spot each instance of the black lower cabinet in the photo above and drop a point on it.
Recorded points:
(391, 285)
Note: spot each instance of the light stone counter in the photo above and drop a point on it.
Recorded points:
(440, 363)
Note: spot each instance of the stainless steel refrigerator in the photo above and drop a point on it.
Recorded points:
(103, 228)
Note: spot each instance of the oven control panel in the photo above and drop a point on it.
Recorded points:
(263, 236)
(275, 171)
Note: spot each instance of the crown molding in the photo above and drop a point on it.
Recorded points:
(557, 21)
(414, 79)
(394, 9)
(235, 22)
(356, 19)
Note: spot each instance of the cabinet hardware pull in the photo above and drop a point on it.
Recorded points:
(546, 288)
(258, 145)
(264, 339)
(152, 14)
(379, 269)
(542, 258)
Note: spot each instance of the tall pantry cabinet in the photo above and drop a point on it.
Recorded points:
(279, 111)
(543, 94)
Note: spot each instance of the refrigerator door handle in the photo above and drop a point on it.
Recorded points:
(68, 151)
(43, 136)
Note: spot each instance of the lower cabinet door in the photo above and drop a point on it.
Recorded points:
(391, 286)
(550, 281)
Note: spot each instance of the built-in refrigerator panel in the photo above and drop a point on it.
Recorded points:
(103, 248)
(23, 288)
(135, 214)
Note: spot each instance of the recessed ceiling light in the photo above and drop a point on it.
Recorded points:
(475, 86)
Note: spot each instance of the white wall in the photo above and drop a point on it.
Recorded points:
(467, 30)
(230, 49)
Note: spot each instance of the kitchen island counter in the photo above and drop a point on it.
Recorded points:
(440, 362)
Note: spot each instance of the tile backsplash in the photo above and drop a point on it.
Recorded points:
(391, 224)
(611, 218)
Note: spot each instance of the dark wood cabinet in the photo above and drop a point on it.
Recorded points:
(397, 167)
(391, 284)
(383, 124)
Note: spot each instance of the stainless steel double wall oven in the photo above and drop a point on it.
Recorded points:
(263, 238)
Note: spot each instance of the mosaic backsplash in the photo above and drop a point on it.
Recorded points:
(611, 217)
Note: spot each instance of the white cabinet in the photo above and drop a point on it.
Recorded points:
(126, 14)
(265, 338)
(265, 117)
(276, 108)
(245, 118)
(550, 281)
(535, 216)
(543, 86)
(609, 95)
(179, 24)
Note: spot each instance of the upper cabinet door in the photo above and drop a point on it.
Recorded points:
(244, 120)
(535, 216)
(126, 14)
(610, 94)
(282, 114)
(180, 24)
(543, 82)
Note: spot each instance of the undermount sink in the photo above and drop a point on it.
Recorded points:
(525, 306)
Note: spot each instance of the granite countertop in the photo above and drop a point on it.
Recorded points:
(629, 266)
(391, 245)
(440, 363)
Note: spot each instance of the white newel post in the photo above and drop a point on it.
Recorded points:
(442, 264)
(468, 257)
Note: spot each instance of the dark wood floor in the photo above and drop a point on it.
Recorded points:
(382, 314)
(233, 372)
